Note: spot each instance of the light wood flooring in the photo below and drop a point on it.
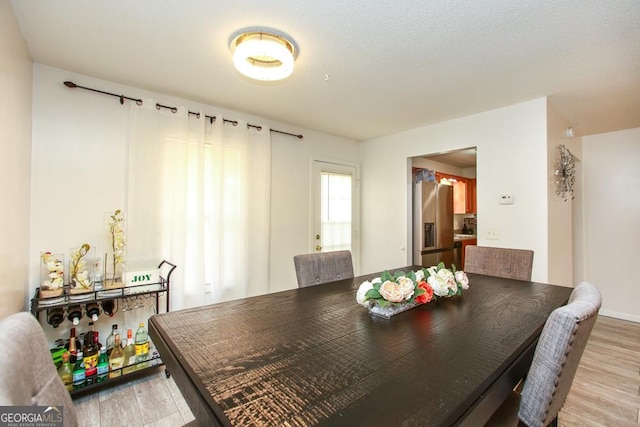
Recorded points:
(605, 391)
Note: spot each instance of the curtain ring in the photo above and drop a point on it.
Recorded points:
(157, 106)
(121, 99)
(138, 102)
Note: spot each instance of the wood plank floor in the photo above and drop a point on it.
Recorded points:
(605, 391)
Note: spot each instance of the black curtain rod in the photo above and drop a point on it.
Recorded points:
(138, 101)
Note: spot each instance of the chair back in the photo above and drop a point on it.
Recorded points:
(28, 376)
(557, 355)
(499, 262)
(324, 267)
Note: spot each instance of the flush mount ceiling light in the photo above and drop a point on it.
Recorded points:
(263, 55)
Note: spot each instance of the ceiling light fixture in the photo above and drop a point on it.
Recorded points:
(263, 55)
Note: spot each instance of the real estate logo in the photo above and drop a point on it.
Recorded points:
(31, 416)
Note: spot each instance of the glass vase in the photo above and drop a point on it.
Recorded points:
(51, 274)
(81, 273)
(115, 253)
(390, 310)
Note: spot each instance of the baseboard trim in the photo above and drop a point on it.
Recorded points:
(621, 316)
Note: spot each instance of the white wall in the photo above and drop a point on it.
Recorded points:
(15, 146)
(611, 213)
(79, 166)
(291, 171)
(512, 159)
(560, 212)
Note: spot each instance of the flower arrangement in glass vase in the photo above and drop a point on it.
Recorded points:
(114, 264)
(79, 278)
(391, 294)
(52, 275)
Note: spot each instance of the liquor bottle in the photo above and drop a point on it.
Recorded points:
(93, 311)
(103, 365)
(72, 346)
(130, 353)
(110, 338)
(109, 307)
(90, 352)
(66, 371)
(74, 314)
(55, 316)
(79, 372)
(96, 341)
(142, 345)
(116, 359)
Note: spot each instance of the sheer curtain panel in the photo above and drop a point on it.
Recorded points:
(199, 196)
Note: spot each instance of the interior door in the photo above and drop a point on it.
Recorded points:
(335, 218)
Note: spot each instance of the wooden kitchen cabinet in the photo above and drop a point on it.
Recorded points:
(470, 196)
(459, 197)
(464, 192)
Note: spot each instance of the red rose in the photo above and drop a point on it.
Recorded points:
(427, 295)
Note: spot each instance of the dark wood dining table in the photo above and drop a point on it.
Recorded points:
(313, 356)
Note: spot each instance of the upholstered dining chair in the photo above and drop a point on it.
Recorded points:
(499, 262)
(28, 376)
(323, 267)
(554, 364)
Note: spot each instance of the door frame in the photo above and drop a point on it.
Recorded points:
(355, 211)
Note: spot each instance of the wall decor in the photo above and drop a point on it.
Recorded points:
(565, 173)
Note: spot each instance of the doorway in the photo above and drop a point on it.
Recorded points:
(335, 208)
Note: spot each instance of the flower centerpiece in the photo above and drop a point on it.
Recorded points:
(114, 262)
(391, 294)
(52, 275)
(79, 279)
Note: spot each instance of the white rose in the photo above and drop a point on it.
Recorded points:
(439, 285)
(362, 290)
(376, 280)
(391, 291)
(419, 276)
(406, 287)
(450, 279)
(461, 277)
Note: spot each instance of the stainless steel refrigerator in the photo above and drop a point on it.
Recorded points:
(432, 224)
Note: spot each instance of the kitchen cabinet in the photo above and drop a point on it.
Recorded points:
(464, 192)
(459, 197)
(470, 196)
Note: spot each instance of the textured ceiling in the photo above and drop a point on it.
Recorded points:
(365, 69)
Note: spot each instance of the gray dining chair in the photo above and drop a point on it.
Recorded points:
(499, 262)
(28, 376)
(323, 267)
(555, 361)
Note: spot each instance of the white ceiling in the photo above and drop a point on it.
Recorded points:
(391, 65)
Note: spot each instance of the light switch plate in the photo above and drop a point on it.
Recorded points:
(492, 234)
(506, 199)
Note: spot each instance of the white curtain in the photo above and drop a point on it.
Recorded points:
(199, 197)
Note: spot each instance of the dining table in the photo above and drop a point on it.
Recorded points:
(313, 356)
